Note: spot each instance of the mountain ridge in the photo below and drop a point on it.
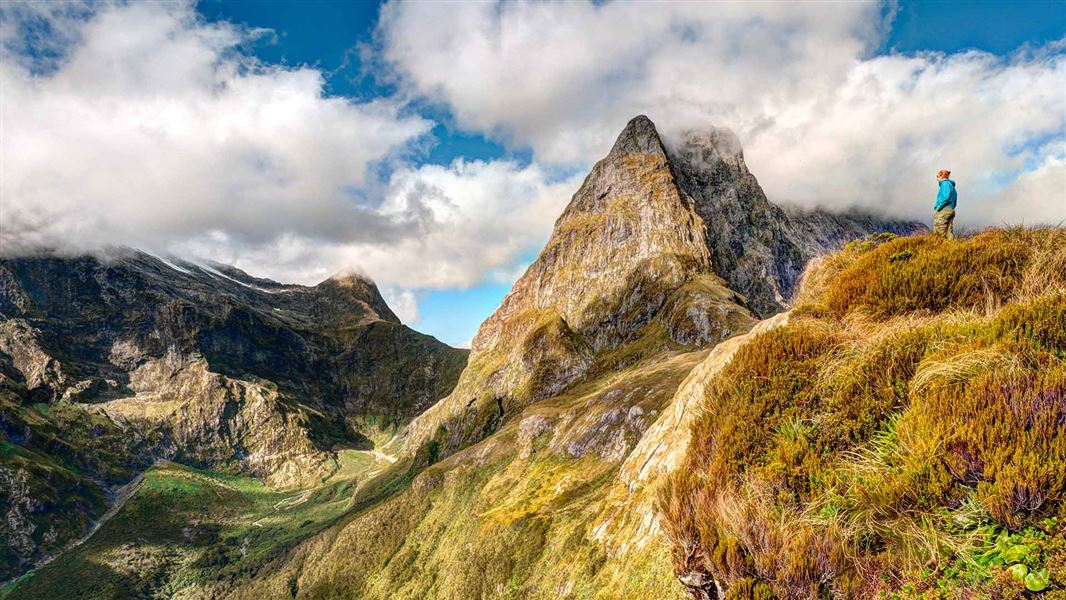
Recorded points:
(110, 363)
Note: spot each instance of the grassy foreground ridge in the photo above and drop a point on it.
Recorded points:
(903, 436)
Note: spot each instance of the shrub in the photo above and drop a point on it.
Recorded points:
(1038, 324)
(1005, 433)
(765, 386)
(930, 273)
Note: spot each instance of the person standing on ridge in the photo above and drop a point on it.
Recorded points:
(944, 209)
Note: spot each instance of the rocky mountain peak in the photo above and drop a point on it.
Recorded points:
(349, 279)
(357, 296)
(626, 260)
(756, 246)
(663, 244)
(639, 136)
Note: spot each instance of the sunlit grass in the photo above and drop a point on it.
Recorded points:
(917, 399)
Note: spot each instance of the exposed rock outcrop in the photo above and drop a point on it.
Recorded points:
(630, 521)
(759, 248)
(199, 417)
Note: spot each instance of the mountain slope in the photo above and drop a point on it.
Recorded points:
(538, 492)
(108, 364)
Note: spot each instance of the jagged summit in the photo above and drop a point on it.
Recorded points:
(757, 247)
(639, 136)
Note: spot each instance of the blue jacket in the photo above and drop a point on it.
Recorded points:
(946, 197)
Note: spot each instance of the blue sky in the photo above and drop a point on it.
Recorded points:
(998, 27)
(327, 35)
(432, 145)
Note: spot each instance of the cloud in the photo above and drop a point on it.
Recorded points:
(1036, 196)
(403, 303)
(468, 222)
(141, 124)
(144, 125)
(480, 217)
(823, 120)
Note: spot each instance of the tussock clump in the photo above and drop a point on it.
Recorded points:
(1004, 434)
(863, 384)
(930, 273)
(1046, 271)
(897, 451)
(887, 276)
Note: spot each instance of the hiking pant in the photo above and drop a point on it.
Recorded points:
(943, 221)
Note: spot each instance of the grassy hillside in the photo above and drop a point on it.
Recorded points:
(511, 517)
(110, 362)
(186, 530)
(904, 436)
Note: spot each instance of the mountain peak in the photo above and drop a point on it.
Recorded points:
(349, 280)
(639, 136)
(674, 245)
(349, 290)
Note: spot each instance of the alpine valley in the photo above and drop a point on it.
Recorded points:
(691, 392)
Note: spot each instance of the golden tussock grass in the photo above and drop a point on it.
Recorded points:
(886, 276)
(917, 398)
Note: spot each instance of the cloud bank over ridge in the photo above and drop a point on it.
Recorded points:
(145, 125)
(823, 120)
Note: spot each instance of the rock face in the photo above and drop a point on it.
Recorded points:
(109, 363)
(663, 445)
(759, 248)
(672, 244)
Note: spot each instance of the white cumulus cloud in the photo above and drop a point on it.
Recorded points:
(145, 125)
(467, 223)
(403, 303)
(152, 128)
(823, 120)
